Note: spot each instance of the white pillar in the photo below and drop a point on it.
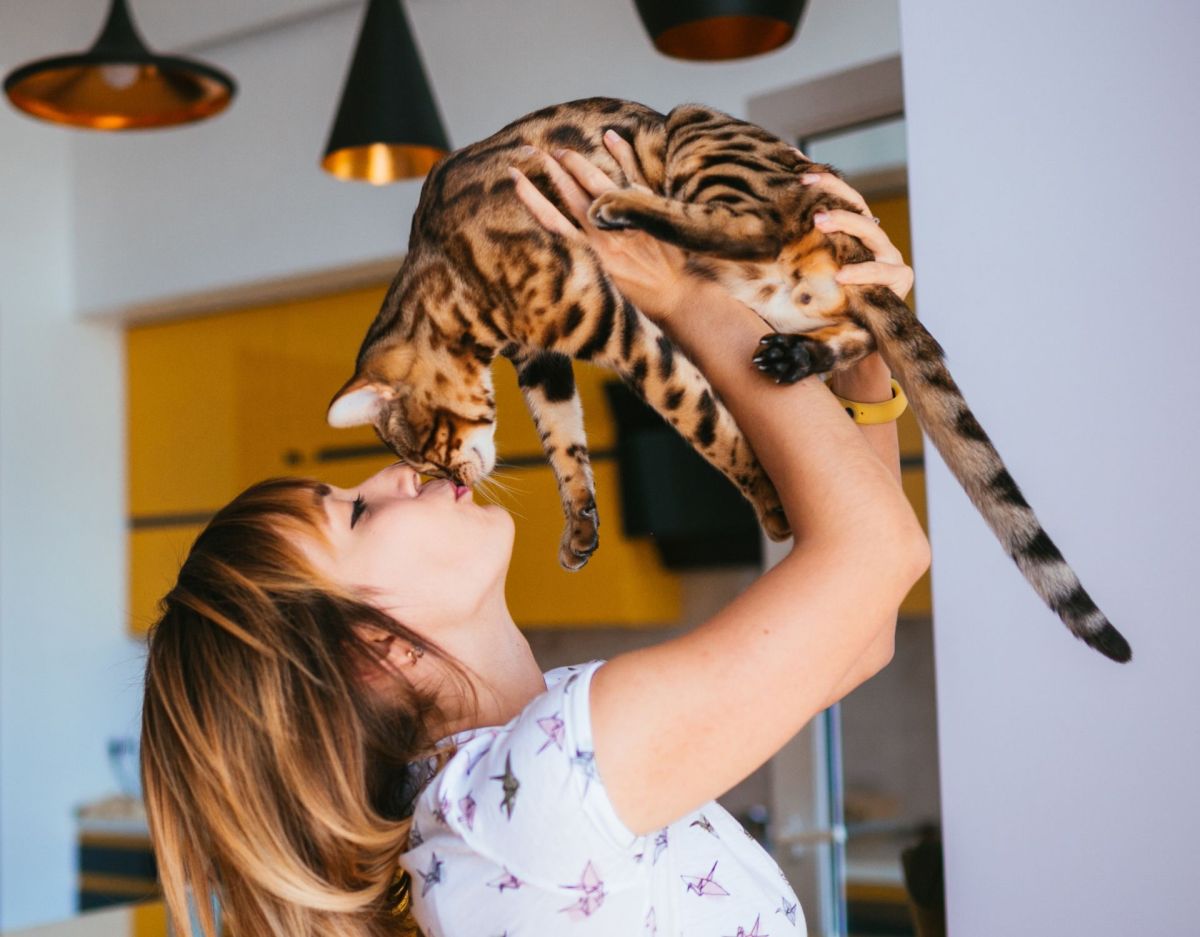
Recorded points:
(1056, 232)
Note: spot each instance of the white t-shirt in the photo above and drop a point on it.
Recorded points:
(516, 837)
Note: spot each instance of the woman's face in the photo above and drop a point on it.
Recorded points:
(426, 553)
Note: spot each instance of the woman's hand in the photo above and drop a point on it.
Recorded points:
(868, 380)
(649, 272)
(888, 268)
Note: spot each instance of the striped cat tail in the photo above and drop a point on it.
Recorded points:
(918, 362)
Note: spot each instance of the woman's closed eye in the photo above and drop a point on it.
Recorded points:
(357, 509)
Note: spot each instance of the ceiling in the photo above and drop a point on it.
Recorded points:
(30, 28)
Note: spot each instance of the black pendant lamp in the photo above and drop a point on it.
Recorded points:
(387, 126)
(717, 30)
(119, 84)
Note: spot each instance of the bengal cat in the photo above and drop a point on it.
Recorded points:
(482, 278)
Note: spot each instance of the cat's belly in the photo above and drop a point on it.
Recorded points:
(774, 304)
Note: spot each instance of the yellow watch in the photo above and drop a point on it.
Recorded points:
(872, 414)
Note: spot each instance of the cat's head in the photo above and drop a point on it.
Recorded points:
(434, 409)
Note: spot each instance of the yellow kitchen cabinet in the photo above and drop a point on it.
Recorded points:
(919, 601)
(155, 553)
(219, 402)
(624, 583)
(892, 212)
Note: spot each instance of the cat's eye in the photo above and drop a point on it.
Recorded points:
(357, 509)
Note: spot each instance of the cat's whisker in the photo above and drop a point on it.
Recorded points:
(504, 470)
(502, 478)
(504, 485)
(493, 489)
(484, 487)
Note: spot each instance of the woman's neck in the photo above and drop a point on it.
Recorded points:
(505, 675)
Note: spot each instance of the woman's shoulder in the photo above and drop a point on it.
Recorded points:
(569, 672)
(559, 682)
(547, 744)
(528, 790)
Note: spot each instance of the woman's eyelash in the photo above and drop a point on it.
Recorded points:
(357, 509)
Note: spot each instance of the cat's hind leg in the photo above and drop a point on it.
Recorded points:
(788, 357)
(711, 227)
(548, 384)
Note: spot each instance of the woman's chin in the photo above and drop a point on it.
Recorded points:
(504, 518)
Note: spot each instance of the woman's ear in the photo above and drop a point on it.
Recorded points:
(373, 634)
(371, 652)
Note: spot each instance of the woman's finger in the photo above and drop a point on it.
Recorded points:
(863, 228)
(836, 187)
(872, 271)
(575, 198)
(541, 208)
(587, 174)
(897, 277)
(626, 158)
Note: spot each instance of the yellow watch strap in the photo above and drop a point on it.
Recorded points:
(871, 414)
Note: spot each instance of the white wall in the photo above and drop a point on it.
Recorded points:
(1055, 200)
(68, 674)
(90, 223)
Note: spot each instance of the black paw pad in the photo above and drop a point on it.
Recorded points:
(788, 358)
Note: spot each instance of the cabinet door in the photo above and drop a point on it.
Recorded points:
(156, 550)
(919, 601)
(220, 402)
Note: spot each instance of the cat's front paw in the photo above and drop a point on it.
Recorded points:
(581, 537)
(788, 358)
(775, 523)
(611, 211)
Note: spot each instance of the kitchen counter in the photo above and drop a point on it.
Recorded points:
(143, 919)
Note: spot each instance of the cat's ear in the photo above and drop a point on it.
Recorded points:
(357, 403)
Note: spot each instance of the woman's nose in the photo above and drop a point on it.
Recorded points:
(396, 478)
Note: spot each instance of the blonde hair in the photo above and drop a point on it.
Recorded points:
(273, 782)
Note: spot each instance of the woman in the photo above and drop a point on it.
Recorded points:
(345, 733)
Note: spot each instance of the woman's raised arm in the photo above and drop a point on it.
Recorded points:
(679, 723)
